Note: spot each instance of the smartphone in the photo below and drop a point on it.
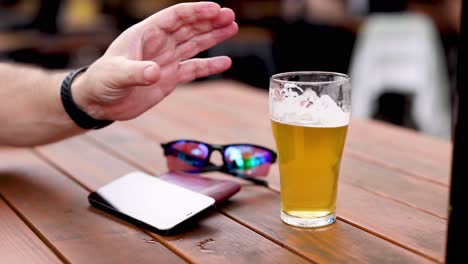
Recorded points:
(150, 202)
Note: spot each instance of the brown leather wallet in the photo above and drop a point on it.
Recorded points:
(220, 190)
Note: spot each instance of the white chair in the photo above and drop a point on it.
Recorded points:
(402, 51)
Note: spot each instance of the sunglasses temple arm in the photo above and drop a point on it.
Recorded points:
(256, 181)
(210, 167)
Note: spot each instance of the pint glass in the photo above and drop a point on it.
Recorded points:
(310, 113)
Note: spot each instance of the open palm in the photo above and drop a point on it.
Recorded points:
(147, 61)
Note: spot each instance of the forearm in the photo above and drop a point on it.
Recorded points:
(31, 111)
(139, 69)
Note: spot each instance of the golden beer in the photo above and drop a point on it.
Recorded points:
(309, 163)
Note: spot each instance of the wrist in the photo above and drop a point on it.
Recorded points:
(79, 111)
(82, 98)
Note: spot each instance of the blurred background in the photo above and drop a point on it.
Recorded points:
(401, 54)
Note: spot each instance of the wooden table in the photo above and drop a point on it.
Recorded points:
(392, 205)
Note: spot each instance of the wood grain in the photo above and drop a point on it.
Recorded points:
(402, 149)
(398, 223)
(216, 238)
(58, 209)
(172, 121)
(428, 197)
(169, 119)
(397, 186)
(18, 243)
(258, 208)
(387, 175)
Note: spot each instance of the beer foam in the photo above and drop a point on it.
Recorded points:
(293, 105)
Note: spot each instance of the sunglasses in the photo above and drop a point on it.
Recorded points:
(245, 161)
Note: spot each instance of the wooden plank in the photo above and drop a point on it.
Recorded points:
(398, 223)
(170, 119)
(216, 239)
(402, 149)
(394, 185)
(58, 208)
(18, 243)
(258, 208)
(440, 149)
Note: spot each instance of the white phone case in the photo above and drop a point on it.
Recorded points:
(153, 201)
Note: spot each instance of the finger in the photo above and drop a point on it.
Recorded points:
(127, 73)
(226, 17)
(172, 18)
(192, 69)
(197, 44)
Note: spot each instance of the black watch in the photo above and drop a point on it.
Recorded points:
(81, 118)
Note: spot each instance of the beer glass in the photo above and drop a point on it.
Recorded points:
(310, 113)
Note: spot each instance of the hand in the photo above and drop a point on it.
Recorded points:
(147, 61)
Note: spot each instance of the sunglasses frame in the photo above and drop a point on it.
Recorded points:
(209, 166)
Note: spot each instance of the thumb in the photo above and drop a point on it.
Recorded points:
(134, 73)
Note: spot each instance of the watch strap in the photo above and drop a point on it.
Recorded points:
(81, 118)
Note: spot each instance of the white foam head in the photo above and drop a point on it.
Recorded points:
(293, 105)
